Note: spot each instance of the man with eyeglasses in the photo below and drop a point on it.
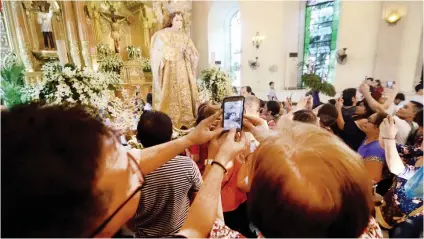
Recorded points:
(66, 175)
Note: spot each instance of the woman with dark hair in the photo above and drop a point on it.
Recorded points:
(373, 153)
(271, 113)
(174, 60)
(305, 116)
(328, 115)
(350, 130)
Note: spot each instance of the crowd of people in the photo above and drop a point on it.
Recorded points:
(338, 169)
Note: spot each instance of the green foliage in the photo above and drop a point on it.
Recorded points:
(12, 83)
(315, 83)
(328, 89)
(215, 83)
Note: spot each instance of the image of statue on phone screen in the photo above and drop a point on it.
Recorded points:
(233, 114)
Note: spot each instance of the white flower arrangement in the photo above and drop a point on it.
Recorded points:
(70, 85)
(123, 114)
(92, 90)
(111, 63)
(215, 84)
(103, 50)
(108, 60)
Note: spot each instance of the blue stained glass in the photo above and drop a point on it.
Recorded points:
(321, 25)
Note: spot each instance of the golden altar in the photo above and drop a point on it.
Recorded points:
(78, 27)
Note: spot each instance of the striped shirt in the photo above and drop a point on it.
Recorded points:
(165, 198)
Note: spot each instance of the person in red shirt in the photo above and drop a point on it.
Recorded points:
(199, 153)
(377, 90)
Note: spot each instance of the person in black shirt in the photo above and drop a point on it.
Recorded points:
(349, 103)
(350, 129)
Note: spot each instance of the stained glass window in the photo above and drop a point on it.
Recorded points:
(321, 27)
(235, 48)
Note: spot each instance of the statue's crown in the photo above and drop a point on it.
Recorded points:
(178, 6)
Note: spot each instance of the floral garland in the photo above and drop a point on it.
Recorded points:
(215, 84)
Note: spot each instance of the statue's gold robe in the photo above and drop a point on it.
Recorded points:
(174, 60)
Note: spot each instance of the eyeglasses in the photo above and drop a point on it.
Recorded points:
(135, 169)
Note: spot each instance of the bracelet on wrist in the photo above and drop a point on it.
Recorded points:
(388, 138)
(220, 165)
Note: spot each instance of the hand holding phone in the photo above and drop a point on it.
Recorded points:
(232, 114)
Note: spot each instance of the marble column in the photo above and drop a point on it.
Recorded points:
(83, 33)
(22, 36)
(70, 20)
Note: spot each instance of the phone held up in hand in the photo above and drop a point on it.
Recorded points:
(390, 84)
(232, 110)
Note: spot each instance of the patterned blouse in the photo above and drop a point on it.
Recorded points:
(374, 152)
(409, 155)
(220, 230)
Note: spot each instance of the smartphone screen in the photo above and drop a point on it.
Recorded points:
(233, 108)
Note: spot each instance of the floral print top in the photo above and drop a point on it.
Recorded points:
(220, 230)
(409, 155)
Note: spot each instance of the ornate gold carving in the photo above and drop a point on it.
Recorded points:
(132, 75)
(85, 52)
(33, 77)
(46, 55)
(30, 23)
(25, 51)
(7, 28)
(74, 50)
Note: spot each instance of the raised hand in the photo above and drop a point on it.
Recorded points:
(388, 128)
(233, 144)
(339, 104)
(364, 89)
(288, 104)
(206, 130)
(214, 145)
(257, 127)
(304, 102)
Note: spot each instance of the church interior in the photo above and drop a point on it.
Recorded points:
(121, 59)
(225, 32)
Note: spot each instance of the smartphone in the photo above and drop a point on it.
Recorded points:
(232, 113)
(390, 84)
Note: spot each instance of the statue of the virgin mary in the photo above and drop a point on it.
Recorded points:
(174, 60)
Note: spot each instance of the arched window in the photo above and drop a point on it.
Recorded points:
(320, 42)
(235, 48)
